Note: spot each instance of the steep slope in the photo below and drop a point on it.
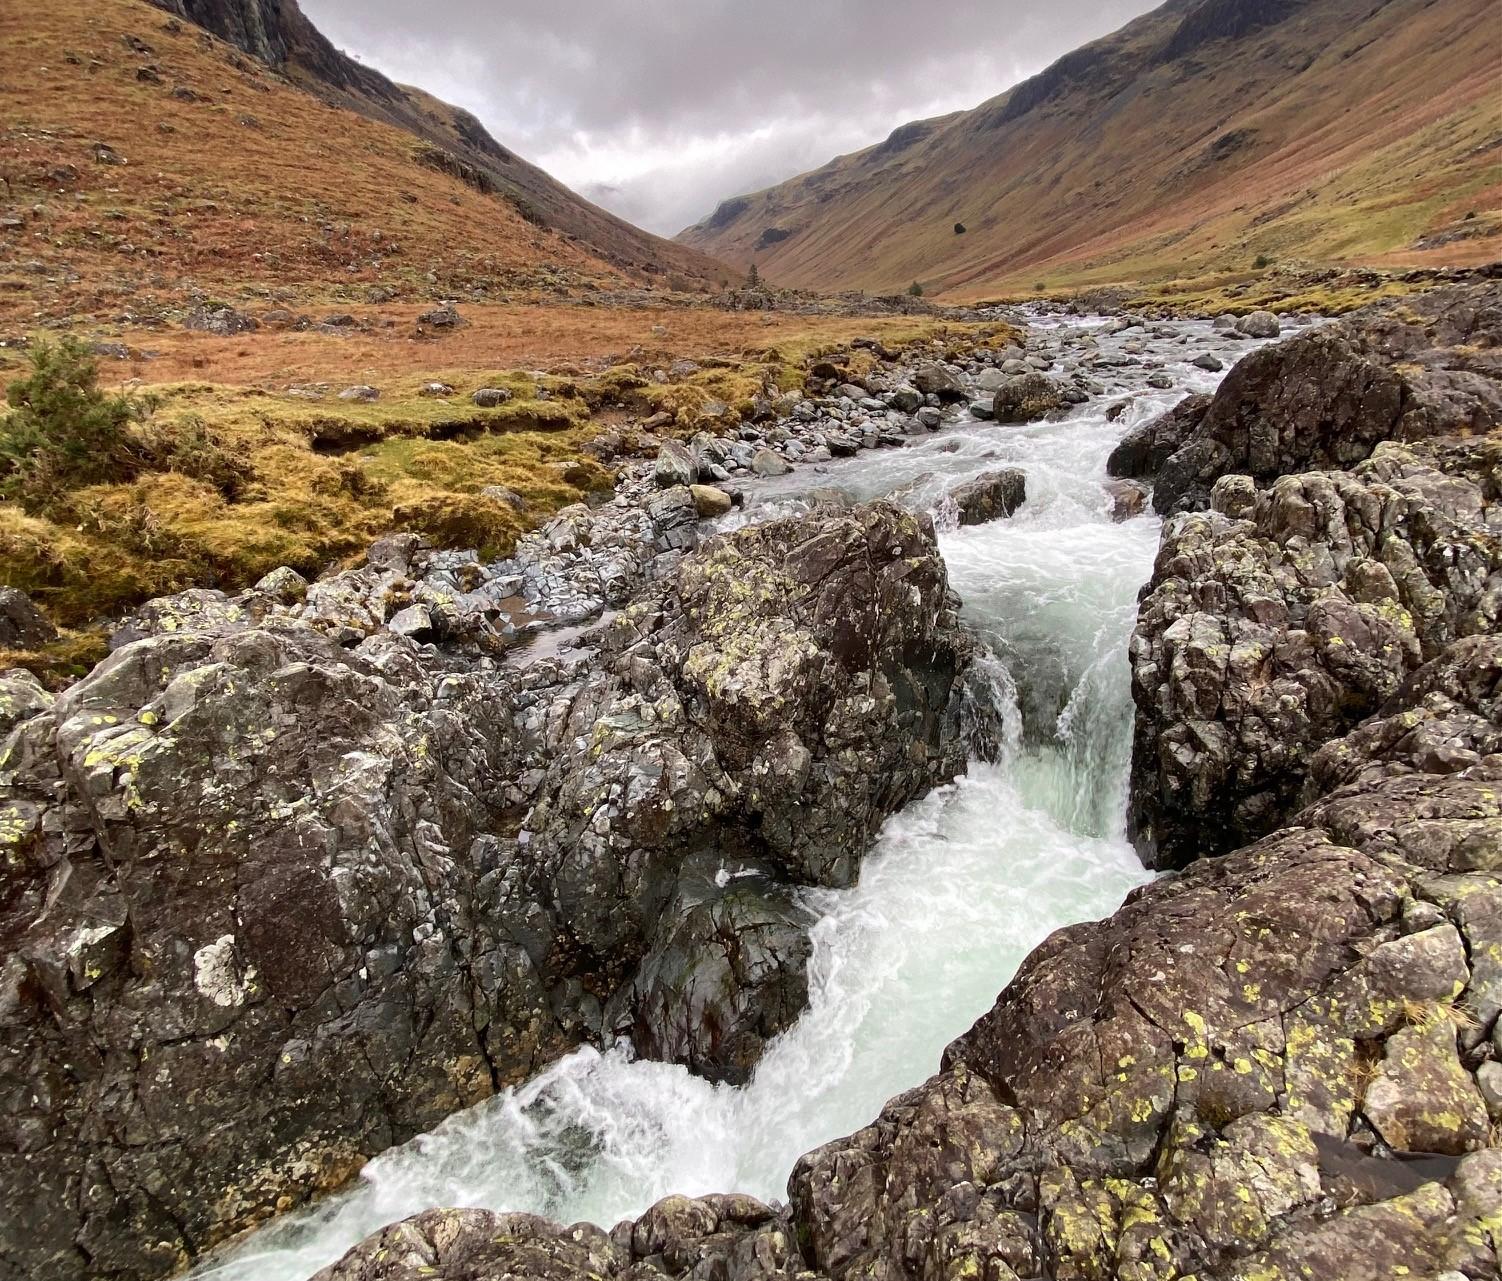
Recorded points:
(1199, 138)
(280, 35)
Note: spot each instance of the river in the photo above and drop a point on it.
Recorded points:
(959, 887)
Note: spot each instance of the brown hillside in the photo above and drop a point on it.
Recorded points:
(1200, 138)
(280, 35)
(143, 162)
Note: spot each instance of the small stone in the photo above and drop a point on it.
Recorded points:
(709, 501)
(435, 391)
(490, 397)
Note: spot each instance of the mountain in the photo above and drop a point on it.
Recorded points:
(280, 35)
(145, 162)
(1203, 137)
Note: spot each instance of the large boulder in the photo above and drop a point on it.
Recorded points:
(990, 496)
(1146, 447)
(935, 379)
(1428, 366)
(1026, 398)
(277, 892)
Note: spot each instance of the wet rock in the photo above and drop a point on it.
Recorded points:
(766, 462)
(1128, 499)
(1026, 398)
(990, 496)
(1208, 361)
(22, 624)
(1146, 447)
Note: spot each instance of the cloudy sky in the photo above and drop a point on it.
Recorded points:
(659, 109)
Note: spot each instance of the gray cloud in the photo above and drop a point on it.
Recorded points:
(659, 109)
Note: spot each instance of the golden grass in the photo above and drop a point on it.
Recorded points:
(318, 480)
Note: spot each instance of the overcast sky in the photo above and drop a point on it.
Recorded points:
(660, 109)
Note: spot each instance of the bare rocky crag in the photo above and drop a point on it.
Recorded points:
(1280, 1063)
(1297, 604)
(283, 885)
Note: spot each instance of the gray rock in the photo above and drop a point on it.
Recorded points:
(1208, 361)
(362, 391)
(491, 397)
(934, 379)
(22, 624)
(766, 462)
(675, 465)
(1260, 324)
(1026, 398)
(441, 318)
(990, 496)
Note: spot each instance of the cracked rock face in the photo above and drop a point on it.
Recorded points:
(276, 895)
(1284, 616)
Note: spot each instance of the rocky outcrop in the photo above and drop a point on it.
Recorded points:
(1266, 1067)
(1284, 616)
(1422, 367)
(280, 892)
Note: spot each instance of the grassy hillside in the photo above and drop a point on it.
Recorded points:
(145, 165)
(1209, 136)
(277, 33)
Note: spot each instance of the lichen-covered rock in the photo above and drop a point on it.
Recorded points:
(1286, 616)
(281, 887)
(1428, 366)
(1026, 398)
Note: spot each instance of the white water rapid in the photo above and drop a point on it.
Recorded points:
(959, 887)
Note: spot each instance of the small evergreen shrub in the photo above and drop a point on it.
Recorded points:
(915, 290)
(62, 431)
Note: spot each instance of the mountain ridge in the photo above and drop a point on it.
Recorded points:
(1200, 136)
